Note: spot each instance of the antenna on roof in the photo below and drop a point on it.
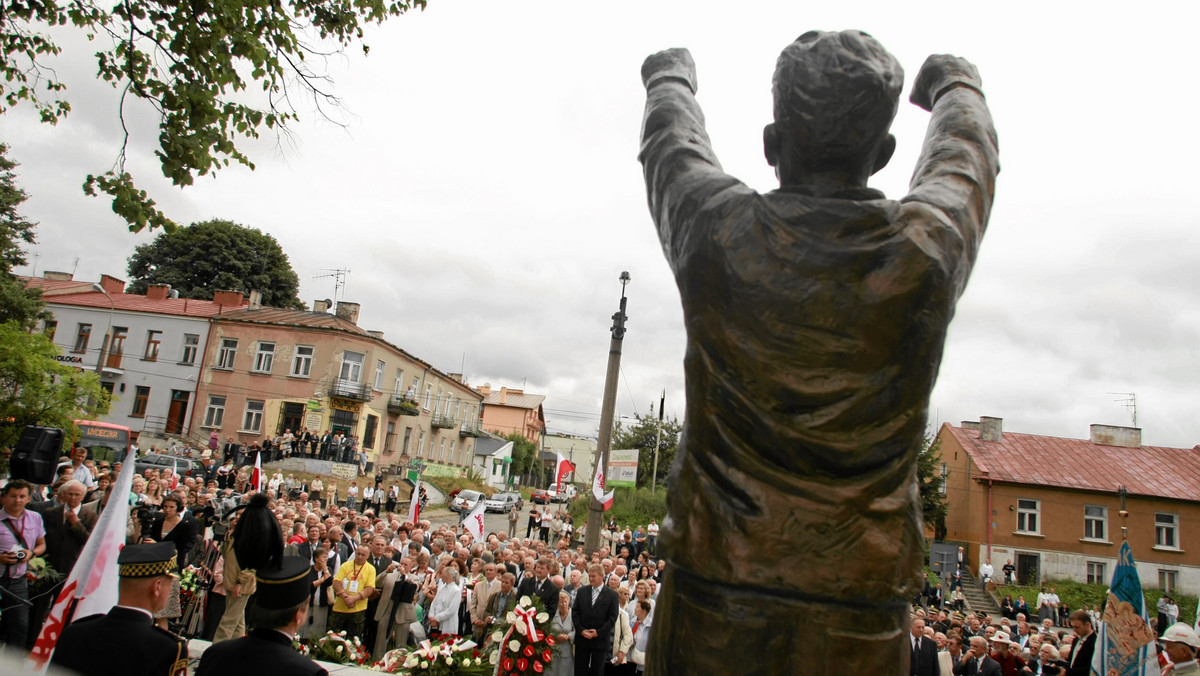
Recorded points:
(1130, 402)
(339, 279)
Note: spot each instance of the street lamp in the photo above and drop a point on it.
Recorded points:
(604, 440)
(112, 307)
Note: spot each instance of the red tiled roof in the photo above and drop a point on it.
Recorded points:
(135, 303)
(271, 315)
(1080, 464)
(514, 400)
(54, 287)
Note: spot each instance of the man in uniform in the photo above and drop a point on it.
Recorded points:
(86, 645)
(280, 606)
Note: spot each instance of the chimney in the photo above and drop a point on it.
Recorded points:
(990, 429)
(503, 395)
(112, 284)
(228, 298)
(970, 425)
(1113, 435)
(456, 377)
(255, 299)
(375, 334)
(485, 389)
(58, 276)
(321, 306)
(348, 311)
(158, 292)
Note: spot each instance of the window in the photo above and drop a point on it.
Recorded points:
(264, 358)
(1168, 580)
(215, 412)
(1166, 530)
(50, 328)
(252, 421)
(407, 437)
(428, 396)
(191, 342)
(1027, 515)
(140, 400)
(352, 363)
(153, 342)
(1095, 573)
(368, 440)
(108, 387)
(1095, 520)
(945, 475)
(399, 383)
(82, 337)
(421, 444)
(302, 360)
(227, 352)
(441, 456)
(379, 367)
(389, 440)
(117, 348)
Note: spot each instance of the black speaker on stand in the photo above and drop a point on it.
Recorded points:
(36, 456)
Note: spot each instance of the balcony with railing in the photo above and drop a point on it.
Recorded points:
(403, 405)
(349, 390)
(444, 422)
(469, 430)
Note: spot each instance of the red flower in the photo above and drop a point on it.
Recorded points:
(522, 664)
(508, 664)
(546, 655)
(537, 666)
(528, 650)
(550, 640)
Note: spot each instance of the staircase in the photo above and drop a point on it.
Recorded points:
(978, 600)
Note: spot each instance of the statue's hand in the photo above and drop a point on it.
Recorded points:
(669, 64)
(940, 72)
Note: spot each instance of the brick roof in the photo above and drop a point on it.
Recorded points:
(1079, 464)
(132, 302)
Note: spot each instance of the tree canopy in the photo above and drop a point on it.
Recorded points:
(641, 435)
(193, 62)
(525, 459)
(37, 389)
(931, 483)
(215, 255)
(17, 302)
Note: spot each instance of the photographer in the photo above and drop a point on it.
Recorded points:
(22, 537)
(170, 525)
(1046, 664)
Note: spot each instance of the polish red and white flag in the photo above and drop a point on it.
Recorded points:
(606, 499)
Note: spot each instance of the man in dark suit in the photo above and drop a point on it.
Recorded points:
(594, 615)
(540, 585)
(86, 645)
(1084, 646)
(67, 528)
(924, 660)
(977, 662)
(280, 606)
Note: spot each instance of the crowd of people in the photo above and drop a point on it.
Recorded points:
(375, 575)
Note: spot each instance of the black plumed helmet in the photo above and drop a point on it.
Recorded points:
(257, 538)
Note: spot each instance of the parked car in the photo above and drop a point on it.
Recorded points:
(502, 502)
(184, 467)
(568, 493)
(465, 501)
(539, 496)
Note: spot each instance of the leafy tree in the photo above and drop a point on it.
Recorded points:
(36, 389)
(193, 63)
(17, 302)
(641, 435)
(525, 459)
(214, 255)
(930, 482)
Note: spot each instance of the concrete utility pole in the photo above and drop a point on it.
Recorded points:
(604, 440)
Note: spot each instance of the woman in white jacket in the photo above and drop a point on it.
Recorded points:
(443, 612)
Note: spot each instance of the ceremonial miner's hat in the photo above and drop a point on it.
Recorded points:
(285, 587)
(143, 561)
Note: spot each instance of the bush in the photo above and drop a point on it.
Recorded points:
(631, 507)
(1077, 595)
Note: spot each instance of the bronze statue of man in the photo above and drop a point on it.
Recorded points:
(816, 316)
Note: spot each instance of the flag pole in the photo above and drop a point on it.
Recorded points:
(604, 440)
(662, 400)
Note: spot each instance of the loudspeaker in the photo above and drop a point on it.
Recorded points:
(36, 455)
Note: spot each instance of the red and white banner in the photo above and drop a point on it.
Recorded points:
(91, 588)
(564, 468)
(474, 522)
(256, 475)
(606, 499)
(414, 505)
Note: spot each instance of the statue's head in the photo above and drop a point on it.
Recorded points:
(835, 97)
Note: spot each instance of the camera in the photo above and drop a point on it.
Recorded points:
(18, 552)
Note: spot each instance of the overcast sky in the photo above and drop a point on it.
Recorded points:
(484, 192)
